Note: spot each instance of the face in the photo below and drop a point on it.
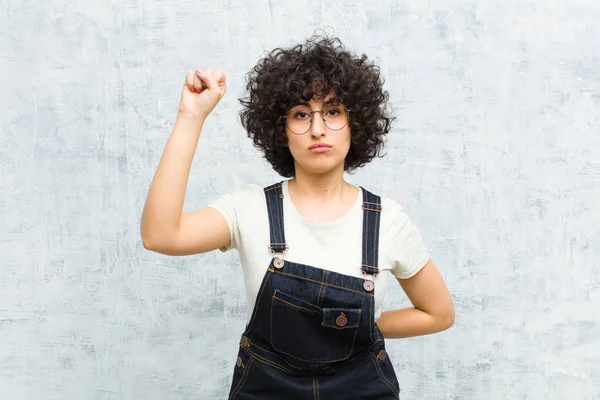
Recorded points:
(321, 146)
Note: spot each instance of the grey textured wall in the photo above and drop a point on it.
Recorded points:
(495, 155)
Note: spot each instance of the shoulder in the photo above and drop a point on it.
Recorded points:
(248, 192)
(390, 209)
(402, 239)
(394, 219)
(395, 213)
(241, 199)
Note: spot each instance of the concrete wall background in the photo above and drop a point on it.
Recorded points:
(495, 154)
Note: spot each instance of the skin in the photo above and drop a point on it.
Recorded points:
(318, 191)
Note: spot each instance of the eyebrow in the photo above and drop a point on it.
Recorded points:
(333, 100)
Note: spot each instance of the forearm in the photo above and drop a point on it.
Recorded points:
(408, 322)
(164, 203)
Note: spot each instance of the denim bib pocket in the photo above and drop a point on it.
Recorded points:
(307, 332)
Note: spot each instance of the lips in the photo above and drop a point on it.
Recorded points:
(319, 146)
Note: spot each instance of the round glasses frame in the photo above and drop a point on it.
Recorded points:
(311, 121)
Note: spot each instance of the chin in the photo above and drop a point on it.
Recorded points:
(320, 168)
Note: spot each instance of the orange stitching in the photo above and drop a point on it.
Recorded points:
(301, 359)
(364, 240)
(272, 364)
(271, 226)
(366, 237)
(255, 311)
(272, 188)
(372, 267)
(293, 305)
(276, 355)
(279, 216)
(322, 289)
(383, 378)
(343, 327)
(371, 319)
(244, 377)
(376, 243)
(326, 283)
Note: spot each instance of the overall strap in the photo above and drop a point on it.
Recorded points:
(370, 247)
(274, 195)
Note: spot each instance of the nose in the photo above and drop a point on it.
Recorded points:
(317, 128)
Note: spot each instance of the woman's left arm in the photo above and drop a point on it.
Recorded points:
(432, 311)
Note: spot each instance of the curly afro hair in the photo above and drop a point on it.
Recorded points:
(314, 70)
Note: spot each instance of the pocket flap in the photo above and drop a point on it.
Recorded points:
(341, 318)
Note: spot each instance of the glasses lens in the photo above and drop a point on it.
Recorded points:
(298, 120)
(336, 117)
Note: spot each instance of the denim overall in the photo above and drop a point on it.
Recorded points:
(312, 334)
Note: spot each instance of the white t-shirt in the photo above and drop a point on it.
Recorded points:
(334, 246)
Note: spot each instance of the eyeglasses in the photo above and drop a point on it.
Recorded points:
(299, 119)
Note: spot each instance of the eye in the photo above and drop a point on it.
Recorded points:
(333, 112)
(300, 115)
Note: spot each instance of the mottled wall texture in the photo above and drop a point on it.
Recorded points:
(495, 155)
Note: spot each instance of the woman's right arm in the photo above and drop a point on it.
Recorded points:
(164, 227)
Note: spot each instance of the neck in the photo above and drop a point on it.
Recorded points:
(319, 187)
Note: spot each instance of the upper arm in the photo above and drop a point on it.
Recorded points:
(428, 292)
(199, 231)
(216, 226)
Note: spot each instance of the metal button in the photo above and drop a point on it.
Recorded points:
(381, 355)
(369, 285)
(244, 342)
(341, 320)
(278, 263)
(239, 362)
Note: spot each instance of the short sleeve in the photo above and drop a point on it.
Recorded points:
(409, 252)
(233, 207)
(226, 205)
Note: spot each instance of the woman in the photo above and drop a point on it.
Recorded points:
(317, 251)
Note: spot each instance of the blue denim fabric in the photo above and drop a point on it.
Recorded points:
(312, 334)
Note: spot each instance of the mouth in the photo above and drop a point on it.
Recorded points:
(319, 148)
